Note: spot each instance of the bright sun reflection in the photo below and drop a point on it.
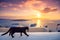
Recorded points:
(38, 23)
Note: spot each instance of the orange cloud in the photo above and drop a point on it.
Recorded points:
(47, 10)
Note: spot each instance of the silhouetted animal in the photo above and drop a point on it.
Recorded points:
(13, 30)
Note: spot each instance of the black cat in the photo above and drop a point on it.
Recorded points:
(13, 30)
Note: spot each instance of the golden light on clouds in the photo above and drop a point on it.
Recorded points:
(22, 14)
(38, 14)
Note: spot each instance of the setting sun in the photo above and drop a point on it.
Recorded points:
(38, 14)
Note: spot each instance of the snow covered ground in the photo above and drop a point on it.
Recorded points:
(33, 36)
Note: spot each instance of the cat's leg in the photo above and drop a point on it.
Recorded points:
(9, 33)
(25, 33)
(12, 35)
(21, 33)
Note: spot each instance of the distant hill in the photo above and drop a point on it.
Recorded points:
(15, 19)
(20, 20)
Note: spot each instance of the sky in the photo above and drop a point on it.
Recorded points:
(30, 9)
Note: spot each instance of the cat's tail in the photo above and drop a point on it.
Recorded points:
(5, 32)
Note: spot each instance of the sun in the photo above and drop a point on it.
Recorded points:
(37, 14)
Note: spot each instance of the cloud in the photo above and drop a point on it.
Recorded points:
(13, 1)
(40, 5)
(10, 6)
(52, 2)
(47, 10)
(22, 4)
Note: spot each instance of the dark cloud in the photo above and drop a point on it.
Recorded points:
(57, 2)
(47, 10)
(4, 4)
(54, 10)
(13, 1)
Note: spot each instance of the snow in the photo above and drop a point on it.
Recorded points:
(33, 36)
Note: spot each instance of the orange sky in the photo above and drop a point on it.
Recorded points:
(30, 9)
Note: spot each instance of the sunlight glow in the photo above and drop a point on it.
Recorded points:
(38, 23)
(38, 16)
